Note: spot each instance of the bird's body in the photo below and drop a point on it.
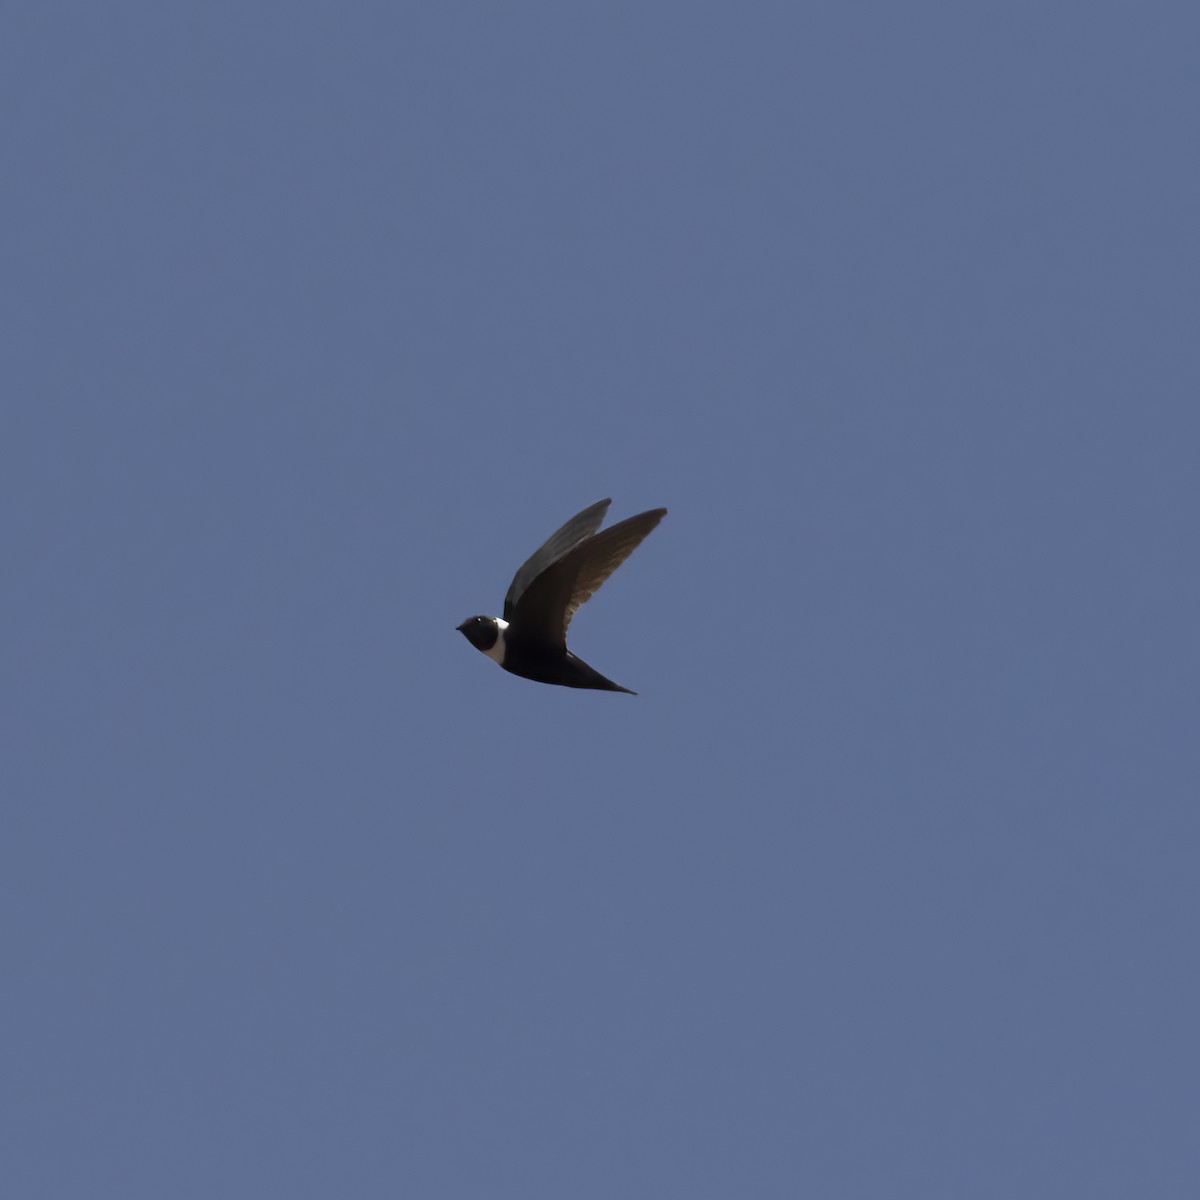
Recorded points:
(530, 639)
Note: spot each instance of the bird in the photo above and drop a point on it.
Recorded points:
(530, 640)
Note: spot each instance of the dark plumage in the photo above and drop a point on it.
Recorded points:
(546, 592)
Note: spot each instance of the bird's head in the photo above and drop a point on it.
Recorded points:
(481, 632)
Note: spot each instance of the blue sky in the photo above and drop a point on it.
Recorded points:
(318, 319)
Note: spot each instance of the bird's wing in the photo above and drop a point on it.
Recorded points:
(579, 528)
(548, 604)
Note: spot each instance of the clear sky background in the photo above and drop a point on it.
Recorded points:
(318, 318)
